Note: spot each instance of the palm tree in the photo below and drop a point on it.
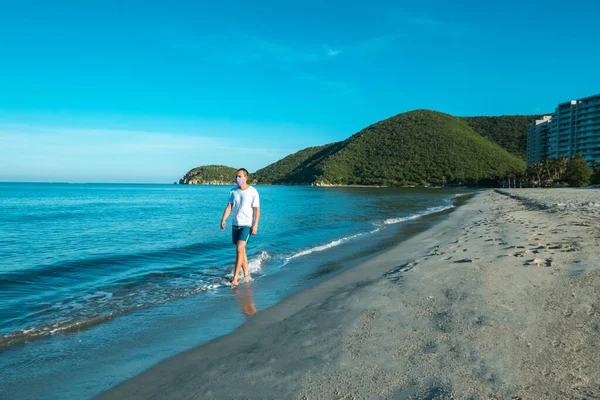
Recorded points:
(596, 177)
(546, 168)
(561, 167)
(553, 170)
(534, 172)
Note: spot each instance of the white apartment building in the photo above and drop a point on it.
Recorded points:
(537, 139)
(573, 128)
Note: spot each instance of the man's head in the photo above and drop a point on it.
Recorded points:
(241, 176)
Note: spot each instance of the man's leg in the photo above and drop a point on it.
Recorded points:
(245, 264)
(240, 257)
(245, 236)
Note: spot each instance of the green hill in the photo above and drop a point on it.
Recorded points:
(286, 170)
(509, 131)
(420, 147)
(210, 175)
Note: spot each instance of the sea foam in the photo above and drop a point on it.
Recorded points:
(431, 210)
(329, 245)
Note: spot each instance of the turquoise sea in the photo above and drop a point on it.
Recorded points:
(99, 282)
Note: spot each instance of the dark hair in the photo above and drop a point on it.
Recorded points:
(244, 170)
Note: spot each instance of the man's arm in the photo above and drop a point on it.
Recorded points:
(256, 217)
(226, 213)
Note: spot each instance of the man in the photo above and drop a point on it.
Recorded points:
(245, 204)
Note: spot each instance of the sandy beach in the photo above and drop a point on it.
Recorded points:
(498, 301)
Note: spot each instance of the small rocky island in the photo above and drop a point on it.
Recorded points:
(209, 175)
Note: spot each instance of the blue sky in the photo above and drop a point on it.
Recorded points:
(123, 91)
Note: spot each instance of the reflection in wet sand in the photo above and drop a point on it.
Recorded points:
(244, 298)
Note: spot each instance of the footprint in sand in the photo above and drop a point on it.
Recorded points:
(539, 262)
(395, 275)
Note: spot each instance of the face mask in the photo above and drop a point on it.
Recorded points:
(239, 181)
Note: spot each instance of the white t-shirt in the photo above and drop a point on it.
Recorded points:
(242, 202)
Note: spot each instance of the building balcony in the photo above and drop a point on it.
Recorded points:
(587, 134)
(592, 119)
(592, 130)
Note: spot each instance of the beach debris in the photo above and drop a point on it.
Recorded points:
(535, 261)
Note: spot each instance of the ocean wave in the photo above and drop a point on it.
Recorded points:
(457, 195)
(135, 293)
(389, 221)
(430, 210)
(255, 264)
(328, 245)
(42, 274)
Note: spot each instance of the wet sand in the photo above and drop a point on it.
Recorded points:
(499, 301)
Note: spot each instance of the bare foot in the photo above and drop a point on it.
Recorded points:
(234, 282)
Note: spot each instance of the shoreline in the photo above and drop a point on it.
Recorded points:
(16, 338)
(484, 304)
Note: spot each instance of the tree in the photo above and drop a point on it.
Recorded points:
(560, 165)
(535, 172)
(547, 166)
(578, 173)
(596, 177)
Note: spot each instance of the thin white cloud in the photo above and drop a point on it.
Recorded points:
(50, 153)
(411, 23)
(242, 48)
(380, 43)
(238, 48)
(73, 140)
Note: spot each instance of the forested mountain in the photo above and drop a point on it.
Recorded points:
(420, 147)
(280, 171)
(509, 131)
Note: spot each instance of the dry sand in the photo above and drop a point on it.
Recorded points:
(499, 301)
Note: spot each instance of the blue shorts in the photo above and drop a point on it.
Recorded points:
(240, 233)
